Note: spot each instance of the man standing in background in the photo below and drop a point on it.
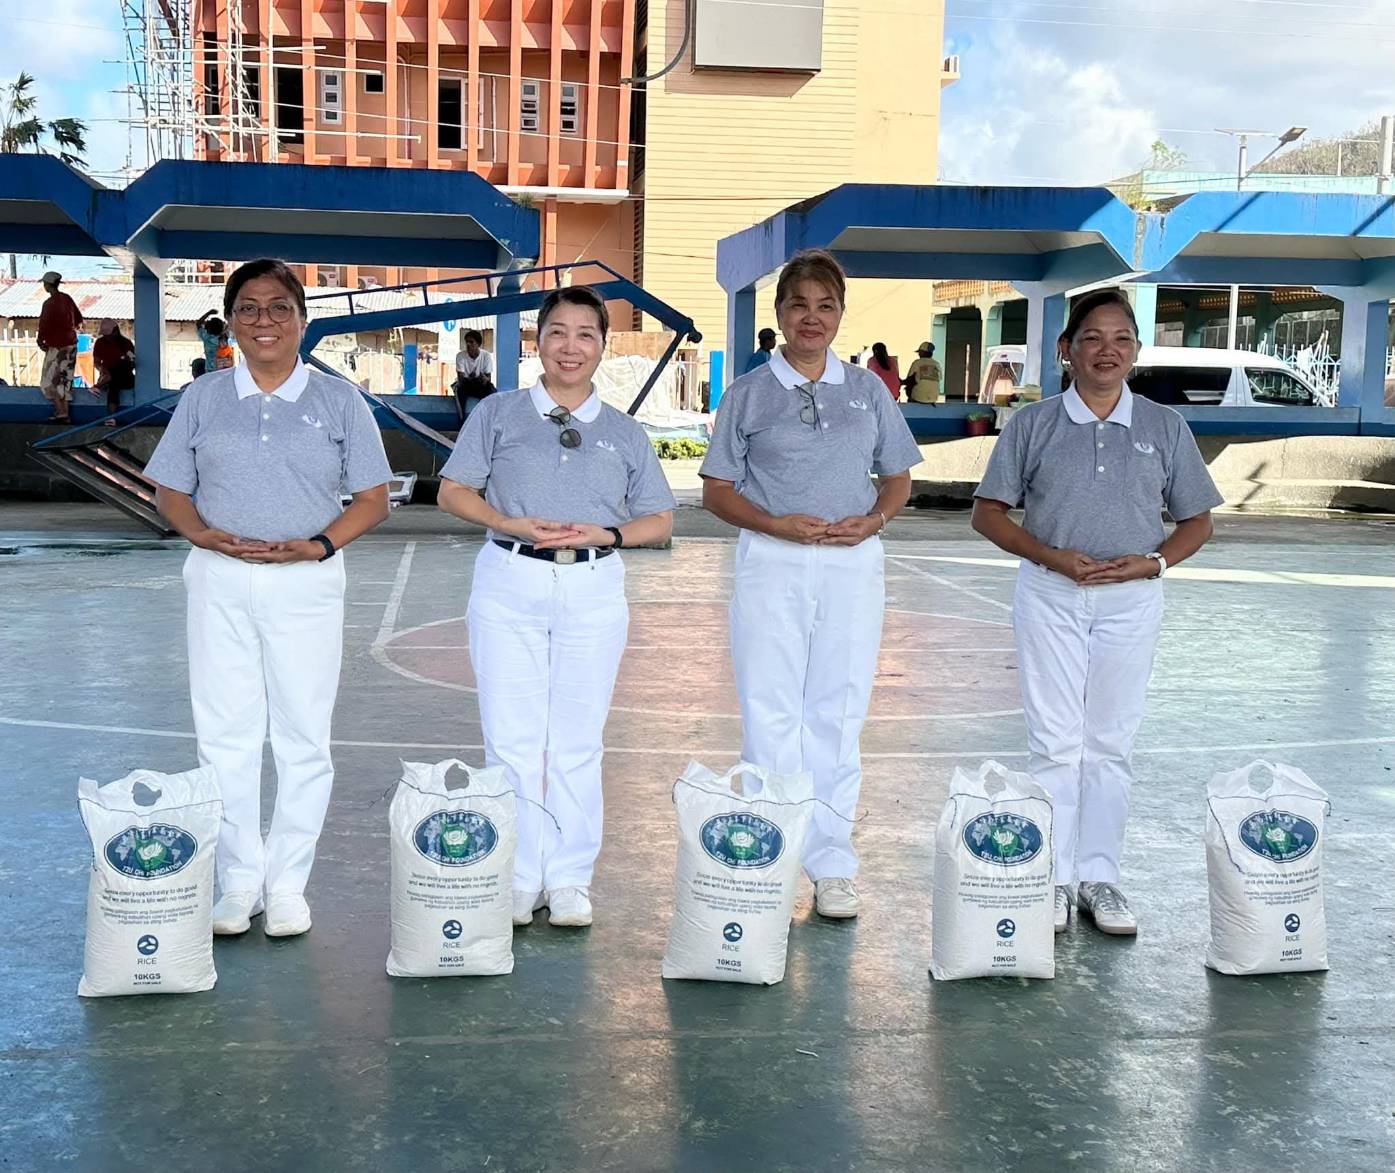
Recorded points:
(761, 356)
(58, 326)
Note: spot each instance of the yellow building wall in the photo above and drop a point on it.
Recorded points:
(725, 149)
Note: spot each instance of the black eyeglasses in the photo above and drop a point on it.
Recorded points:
(809, 412)
(249, 314)
(569, 436)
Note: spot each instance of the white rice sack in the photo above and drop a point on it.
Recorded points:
(1264, 864)
(150, 896)
(452, 872)
(738, 873)
(994, 900)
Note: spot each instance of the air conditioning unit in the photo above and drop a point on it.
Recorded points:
(952, 64)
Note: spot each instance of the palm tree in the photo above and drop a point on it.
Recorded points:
(21, 127)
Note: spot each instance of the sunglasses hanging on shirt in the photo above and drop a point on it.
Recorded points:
(809, 412)
(569, 436)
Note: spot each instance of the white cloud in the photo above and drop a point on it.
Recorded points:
(59, 40)
(1075, 93)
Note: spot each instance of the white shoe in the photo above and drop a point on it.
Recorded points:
(286, 916)
(836, 897)
(525, 904)
(1107, 908)
(233, 913)
(569, 907)
(1062, 907)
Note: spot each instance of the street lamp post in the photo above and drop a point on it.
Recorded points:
(1242, 172)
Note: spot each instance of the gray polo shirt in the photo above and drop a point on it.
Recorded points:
(1099, 486)
(784, 465)
(510, 449)
(270, 466)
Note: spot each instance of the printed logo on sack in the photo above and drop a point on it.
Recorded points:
(733, 932)
(451, 930)
(1291, 923)
(151, 853)
(1003, 839)
(455, 838)
(148, 945)
(742, 840)
(1006, 928)
(1280, 836)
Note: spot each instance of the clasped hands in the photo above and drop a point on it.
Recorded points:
(1083, 570)
(254, 550)
(814, 531)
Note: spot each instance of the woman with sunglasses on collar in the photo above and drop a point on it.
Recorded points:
(562, 482)
(791, 463)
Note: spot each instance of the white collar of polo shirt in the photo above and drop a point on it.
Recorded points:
(290, 390)
(833, 372)
(1081, 414)
(545, 404)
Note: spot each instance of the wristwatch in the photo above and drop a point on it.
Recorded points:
(327, 544)
(619, 537)
(1162, 564)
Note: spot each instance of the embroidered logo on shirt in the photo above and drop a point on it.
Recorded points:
(312, 421)
(860, 404)
(1144, 447)
(606, 444)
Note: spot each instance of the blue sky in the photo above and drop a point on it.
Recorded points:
(1070, 93)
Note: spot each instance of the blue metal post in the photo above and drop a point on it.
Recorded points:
(1145, 309)
(1365, 327)
(409, 368)
(508, 338)
(149, 325)
(741, 343)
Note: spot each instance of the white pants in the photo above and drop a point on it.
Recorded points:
(1084, 655)
(265, 640)
(545, 644)
(806, 626)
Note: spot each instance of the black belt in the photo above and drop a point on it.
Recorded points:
(564, 556)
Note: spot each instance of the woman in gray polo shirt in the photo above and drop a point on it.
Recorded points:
(250, 470)
(1095, 467)
(790, 463)
(561, 481)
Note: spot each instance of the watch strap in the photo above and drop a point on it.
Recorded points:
(619, 537)
(1162, 563)
(330, 551)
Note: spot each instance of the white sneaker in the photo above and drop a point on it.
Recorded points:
(1062, 907)
(286, 916)
(836, 897)
(569, 907)
(525, 904)
(1107, 908)
(233, 913)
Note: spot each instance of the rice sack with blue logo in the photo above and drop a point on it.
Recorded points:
(738, 873)
(993, 898)
(150, 894)
(1264, 863)
(452, 872)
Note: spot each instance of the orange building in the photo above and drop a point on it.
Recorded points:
(767, 103)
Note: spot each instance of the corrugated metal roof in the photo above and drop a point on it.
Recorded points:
(187, 303)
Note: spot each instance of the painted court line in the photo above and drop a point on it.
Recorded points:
(954, 586)
(399, 588)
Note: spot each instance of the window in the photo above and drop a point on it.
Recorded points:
(251, 92)
(1181, 386)
(530, 104)
(290, 104)
(373, 83)
(1278, 388)
(332, 98)
(449, 100)
(211, 104)
(571, 107)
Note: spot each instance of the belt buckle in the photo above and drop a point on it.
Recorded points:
(564, 556)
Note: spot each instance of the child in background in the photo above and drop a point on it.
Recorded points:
(217, 348)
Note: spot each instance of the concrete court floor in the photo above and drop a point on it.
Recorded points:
(1280, 641)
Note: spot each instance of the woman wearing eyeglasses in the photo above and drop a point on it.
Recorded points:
(561, 481)
(791, 463)
(250, 471)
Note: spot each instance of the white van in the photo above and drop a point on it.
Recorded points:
(1180, 376)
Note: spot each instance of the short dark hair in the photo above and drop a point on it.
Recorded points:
(198, 367)
(263, 267)
(766, 333)
(813, 264)
(574, 295)
(1086, 306)
(475, 335)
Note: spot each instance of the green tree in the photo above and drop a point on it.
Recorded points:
(21, 128)
(1355, 153)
